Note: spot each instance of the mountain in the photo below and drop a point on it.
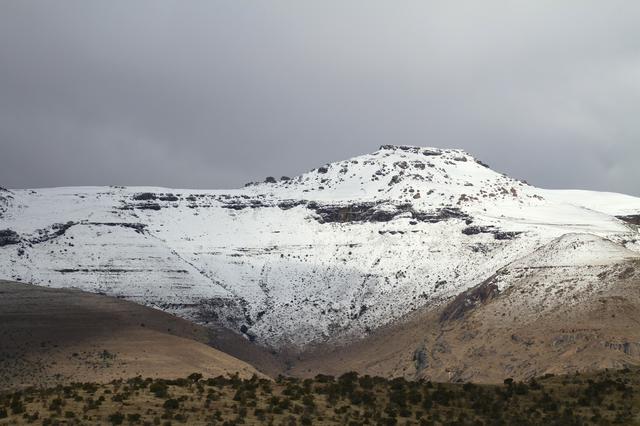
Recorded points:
(324, 259)
(52, 336)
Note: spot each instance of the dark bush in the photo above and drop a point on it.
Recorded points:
(159, 389)
(171, 404)
(116, 418)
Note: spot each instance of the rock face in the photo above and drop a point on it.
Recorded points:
(325, 257)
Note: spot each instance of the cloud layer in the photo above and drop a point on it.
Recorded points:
(215, 94)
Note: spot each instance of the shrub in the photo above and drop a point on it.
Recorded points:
(322, 378)
(171, 404)
(307, 400)
(116, 418)
(468, 387)
(366, 382)
(427, 403)
(414, 397)
(17, 407)
(441, 397)
(533, 384)
(398, 397)
(159, 389)
(521, 389)
(55, 404)
(195, 377)
(260, 414)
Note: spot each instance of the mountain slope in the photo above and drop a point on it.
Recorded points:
(52, 336)
(326, 257)
(559, 310)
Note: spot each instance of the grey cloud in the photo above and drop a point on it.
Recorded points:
(215, 94)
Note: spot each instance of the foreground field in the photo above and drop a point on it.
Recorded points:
(609, 397)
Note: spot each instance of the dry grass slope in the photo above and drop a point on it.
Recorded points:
(51, 336)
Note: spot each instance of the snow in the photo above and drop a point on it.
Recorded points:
(610, 203)
(573, 250)
(260, 257)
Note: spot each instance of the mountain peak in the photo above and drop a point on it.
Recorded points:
(424, 176)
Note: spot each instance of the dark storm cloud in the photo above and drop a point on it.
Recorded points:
(214, 94)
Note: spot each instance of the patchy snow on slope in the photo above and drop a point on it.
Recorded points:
(564, 275)
(577, 250)
(330, 254)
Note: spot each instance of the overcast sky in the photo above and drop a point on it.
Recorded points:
(213, 94)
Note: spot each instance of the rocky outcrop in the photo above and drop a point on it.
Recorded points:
(8, 236)
(5, 197)
(469, 300)
(145, 196)
(632, 219)
(54, 231)
(628, 348)
(497, 233)
(380, 212)
(420, 358)
(138, 227)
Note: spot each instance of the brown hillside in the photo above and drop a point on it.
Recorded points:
(48, 336)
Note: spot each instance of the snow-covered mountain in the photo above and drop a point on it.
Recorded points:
(327, 256)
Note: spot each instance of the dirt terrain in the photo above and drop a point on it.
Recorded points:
(50, 336)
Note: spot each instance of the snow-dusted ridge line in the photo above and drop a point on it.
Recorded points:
(331, 254)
